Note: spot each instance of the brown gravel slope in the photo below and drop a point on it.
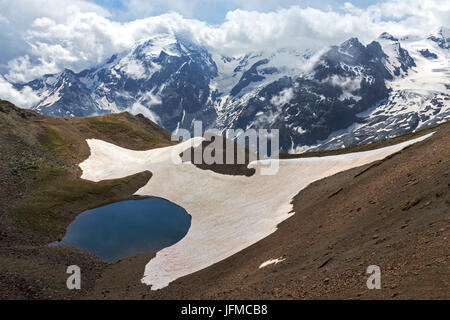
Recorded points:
(394, 214)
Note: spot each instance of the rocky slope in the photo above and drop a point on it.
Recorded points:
(415, 101)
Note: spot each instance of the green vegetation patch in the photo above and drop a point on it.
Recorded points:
(37, 216)
(116, 128)
(54, 141)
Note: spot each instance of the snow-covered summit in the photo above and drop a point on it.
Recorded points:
(441, 37)
(387, 36)
(398, 60)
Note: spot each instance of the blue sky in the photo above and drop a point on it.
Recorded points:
(213, 11)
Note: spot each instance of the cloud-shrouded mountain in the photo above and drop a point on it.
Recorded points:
(417, 98)
(161, 78)
(347, 94)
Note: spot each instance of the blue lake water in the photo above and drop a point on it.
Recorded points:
(124, 229)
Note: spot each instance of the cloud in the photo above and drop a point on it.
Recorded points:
(83, 34)
(211, 11)
(348, 86)
(3, 20)
(138, 108)
(24, 98)
(17, 17)
(284, 97)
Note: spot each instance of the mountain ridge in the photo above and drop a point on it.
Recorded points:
(311, 97)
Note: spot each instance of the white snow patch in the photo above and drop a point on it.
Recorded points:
(300, 130)
(104, 103)
(229, 213)
(133, 68)
(271, 261)
(158, 43)
(51, 98)
(392, 49)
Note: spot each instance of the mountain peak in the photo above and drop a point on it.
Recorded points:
(441, 37)
(155, 44)
(68, 71)
(387, 36)
(444, 32)
(170, 44)
(352, 43)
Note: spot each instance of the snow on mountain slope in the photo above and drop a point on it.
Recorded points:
(241, 78)
(398, 60)
(62, 95)
(240, 75)
(442, 38)
(344, 80)
(175, 80)
(319, 98)
(260, 202)
(162, 77)
(418, 98)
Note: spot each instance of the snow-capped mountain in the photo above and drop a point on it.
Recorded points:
(416, 100)
(240, 77)
(164, 78)
(319, 99)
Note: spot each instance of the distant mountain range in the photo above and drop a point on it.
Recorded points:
(344, 95)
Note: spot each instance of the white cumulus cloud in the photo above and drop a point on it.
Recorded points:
(24, 98)
(84, 34)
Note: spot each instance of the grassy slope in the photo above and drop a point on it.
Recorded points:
(41, 192)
